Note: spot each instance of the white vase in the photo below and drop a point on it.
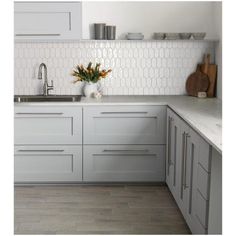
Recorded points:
(89, 89)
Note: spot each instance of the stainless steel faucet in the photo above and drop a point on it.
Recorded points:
(46, 87)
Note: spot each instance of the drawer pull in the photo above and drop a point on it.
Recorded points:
(35, 150)
(182, 164)
(191, 180)
(175, 151)
(39, 113)
(170, 120)
(124, 112)
(37, 35)
(126, 150)
(185, 160)
(124, 154)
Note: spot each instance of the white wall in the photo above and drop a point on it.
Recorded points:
(170, 62)
(218, 31)
(150, 17)
(138, 67)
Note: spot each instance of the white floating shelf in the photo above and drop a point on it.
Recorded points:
(110, 41)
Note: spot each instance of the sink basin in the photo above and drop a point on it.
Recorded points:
(48, 98)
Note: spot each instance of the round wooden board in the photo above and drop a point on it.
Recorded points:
(197, 82)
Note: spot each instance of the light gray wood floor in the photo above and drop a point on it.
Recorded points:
(76, 209)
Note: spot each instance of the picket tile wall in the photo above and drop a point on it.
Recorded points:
(138, 67)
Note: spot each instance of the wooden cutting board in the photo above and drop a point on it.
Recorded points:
(197, 82)
(211, 71)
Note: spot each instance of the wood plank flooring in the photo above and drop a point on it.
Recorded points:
(76, 209)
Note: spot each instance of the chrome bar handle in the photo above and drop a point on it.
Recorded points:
(21, 35)
(40, 150)
(169, 142)
(39, 113)
(171, 120)
(185, 165)
(125, 150)
(124, 154)
(169, 129)
(123, 112)
(175, 154)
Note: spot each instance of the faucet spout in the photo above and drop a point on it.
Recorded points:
(46, 87)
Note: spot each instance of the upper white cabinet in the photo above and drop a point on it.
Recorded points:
(48, 125)
(48, 20)
(124, 125)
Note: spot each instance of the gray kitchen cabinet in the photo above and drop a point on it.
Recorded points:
(48, 163)
(47, 125)
(48, 143)
(201, 153)
(48, 20)
(124, 125)
(195, 207)
(185, 168)
(192, 173)
(119, 163)
(172, 145)
(124, 143)
(215, 198)
(175, 160)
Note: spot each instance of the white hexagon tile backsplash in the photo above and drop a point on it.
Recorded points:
(138, 67)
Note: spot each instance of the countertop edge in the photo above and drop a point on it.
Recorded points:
(195, 128)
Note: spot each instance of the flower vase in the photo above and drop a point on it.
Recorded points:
(89, 89)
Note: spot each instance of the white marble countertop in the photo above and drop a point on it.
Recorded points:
(203, 115)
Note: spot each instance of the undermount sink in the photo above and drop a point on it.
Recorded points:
(47, 98)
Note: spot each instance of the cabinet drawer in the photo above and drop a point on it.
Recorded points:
(203, 182)
(48, 125)
(48, 163)
(124, 163)
(204, 154)
(124, 125)
(201, 210)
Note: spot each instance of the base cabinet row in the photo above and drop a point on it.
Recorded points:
(188, 172)
(63, 143)
(59, 144)
(104, 163)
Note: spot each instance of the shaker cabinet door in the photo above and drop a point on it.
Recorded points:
(194, 182)
(169, 140)
(58, 163)
(47, 125)
(48, 20)
(172, 140)
(124, 163)
(187, 172)
(124, 125)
